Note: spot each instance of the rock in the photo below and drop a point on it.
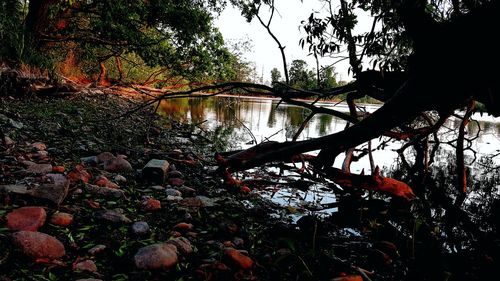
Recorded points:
(26, 218)
(387, 247)
(61, 219)
(89, 279)
(118, 165)
(140, 228)
(157, 187)
(105, 191)
(174, 198)
(86, 265)
(206, 201)
(187, 191)
(173, 192)
(97, 249)
(104, 157)
(55, 191)
(113, 216)
(237, 258)
(39, 169)
(151, 204)
(156, 256)
(39, 146)
(8, 141)
(14, 188)
(58, 169)
(103, 181)
(183, 226)
(120, 179)
(175, 174)
(79, 174)
(176, 181)
(183, 245)
(38, 245)
(16, 124)
(155, 171)
(191, 202)
(90, 160)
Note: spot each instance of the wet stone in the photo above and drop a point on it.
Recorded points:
(38, 245)
(118, 165)
(104, 157)
(140, 228)
(61, 219)
(155, 171)
(175, 174)
(120, 179)
(105, 191)
(90, 160)
(55, 191)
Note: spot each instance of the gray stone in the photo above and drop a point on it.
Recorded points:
(90, 160)
(118, 165)
(106, 191)
(156, 256)
(140, 228)
(173, 192)
(86, 265)
(155, 171)
(187, 191)
(120, 179)
(113, 216)
(157, 187)
(174, 198)
(39, 169)
(14, 188)
(105, 157)
(55, 191)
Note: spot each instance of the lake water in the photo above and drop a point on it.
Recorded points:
(244, 120)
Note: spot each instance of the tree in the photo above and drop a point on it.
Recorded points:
(275, 75)
(300, 76)
(418, 68)
(174, 34)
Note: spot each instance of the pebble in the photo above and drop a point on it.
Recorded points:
(39, 169)
(173, 192)
(97, 249)
(176, 181)
(238, 258)
(86, 265)
(118, 165)
(120, 179)
(183, 245)
(113, 216)
(26, 218)
(156, 256)
(140, 228)
(38, 245)
(151, 204)
(61, 219)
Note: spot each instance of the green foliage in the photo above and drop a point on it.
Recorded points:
(275, 75)
(300, 76)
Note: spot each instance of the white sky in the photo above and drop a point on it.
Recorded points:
(285, 26)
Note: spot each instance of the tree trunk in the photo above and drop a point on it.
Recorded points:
(37, 19)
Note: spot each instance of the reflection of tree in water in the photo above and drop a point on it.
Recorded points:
(324, 124)
(176, 109)
(271, 121)
(293, 117)
(197, 109)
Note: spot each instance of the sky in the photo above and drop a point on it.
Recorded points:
(285, 26)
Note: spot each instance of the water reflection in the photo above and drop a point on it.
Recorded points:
(267, 119)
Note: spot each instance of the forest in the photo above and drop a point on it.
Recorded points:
(137, 142)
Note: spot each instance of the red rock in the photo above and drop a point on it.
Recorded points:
(38, 245)
(61, 219)
(238, 258)
(183, 226)
(86, 265)
(79, 174)
(58, 169)
(102, 181)
(183, 245)
(151, 204)
(156, 256)
(26, 218)
(245, 189)
(175, 181)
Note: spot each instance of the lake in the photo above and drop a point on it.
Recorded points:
(243, 120)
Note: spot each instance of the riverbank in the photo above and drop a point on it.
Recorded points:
(75, 173)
